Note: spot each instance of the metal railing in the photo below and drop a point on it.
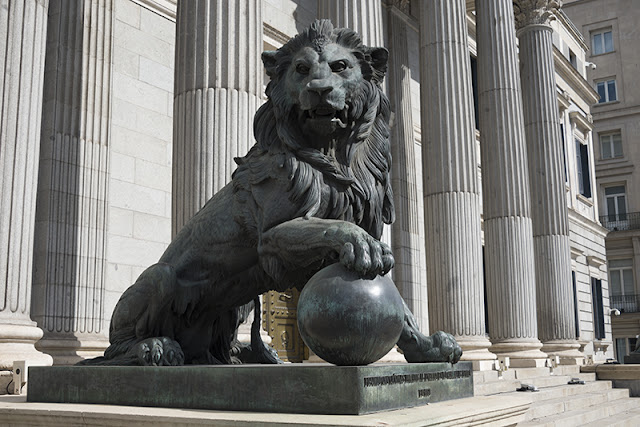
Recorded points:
(621, 222)
(625, 303)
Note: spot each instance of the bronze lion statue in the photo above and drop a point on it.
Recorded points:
(313, 190)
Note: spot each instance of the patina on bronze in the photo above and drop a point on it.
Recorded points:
(347, 320)
(314, 190)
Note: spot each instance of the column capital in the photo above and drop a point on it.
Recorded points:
(535, 12)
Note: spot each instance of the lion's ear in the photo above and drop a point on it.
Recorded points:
(270, 62)
(378, 58)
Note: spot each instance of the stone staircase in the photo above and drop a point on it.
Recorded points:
(557, 403)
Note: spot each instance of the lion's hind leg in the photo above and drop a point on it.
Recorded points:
(141, 331)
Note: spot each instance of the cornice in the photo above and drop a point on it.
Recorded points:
(572, 29)
(587, 223)
(583, 123)
(564, 68)
(275, 34)
(166, 8)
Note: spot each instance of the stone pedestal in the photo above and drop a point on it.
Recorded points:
(451, 187)
(70, 232)
(23, 29)
(554, 294)
(297, 388)
(509, 253)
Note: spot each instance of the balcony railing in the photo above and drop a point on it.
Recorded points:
(621, 222)
(625, 303)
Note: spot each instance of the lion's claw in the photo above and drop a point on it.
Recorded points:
(362, 253)
(160, 351)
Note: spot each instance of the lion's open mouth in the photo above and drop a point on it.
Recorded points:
(326, 114)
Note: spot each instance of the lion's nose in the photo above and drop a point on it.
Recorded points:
(320, 87)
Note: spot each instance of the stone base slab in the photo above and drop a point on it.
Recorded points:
(622, 376)
(483, 365)
(291, 388)
(473, 411)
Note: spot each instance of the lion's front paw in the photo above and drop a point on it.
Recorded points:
(450, 350)
(364, 254)
(439, 347)
(161, 351)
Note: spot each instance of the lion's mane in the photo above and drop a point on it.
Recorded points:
(356, 175)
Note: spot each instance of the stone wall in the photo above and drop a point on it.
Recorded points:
(139, 224)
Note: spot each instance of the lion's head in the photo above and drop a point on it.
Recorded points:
(327, 109)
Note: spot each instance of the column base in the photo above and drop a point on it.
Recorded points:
(70, 349)
(17, 342)
(567, 350)
(521, 354)
(476, 351)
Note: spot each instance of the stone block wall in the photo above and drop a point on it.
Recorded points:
(139, 220)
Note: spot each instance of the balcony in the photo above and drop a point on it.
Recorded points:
(625, 303)
(621, 222)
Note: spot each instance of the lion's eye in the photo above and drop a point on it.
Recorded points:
(338, 66)
(302, 69)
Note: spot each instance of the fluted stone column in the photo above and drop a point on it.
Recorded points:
(23, 29)
(405, 231)
(70, 242)
(555, 302)
(362, 16)
(218, 88)
(451, 185)
(509, 255)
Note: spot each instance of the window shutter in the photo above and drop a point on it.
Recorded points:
(598, 309)
(576, 310)
(586, 179)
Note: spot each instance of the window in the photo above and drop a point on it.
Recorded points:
(621, 277)
(582, 165)
(598, 309)
(616, 201)
(607, 91)
(611, 145)
(602, 41)
(572, 59)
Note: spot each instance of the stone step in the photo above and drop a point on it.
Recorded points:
(624, 419)
(583, 416)
(562, 391)
(495, 387)
(567, 370)
(510, 385)
(553, 406)
(524, 373)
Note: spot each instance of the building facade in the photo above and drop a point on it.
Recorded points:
(121, 118)
(610, 31)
